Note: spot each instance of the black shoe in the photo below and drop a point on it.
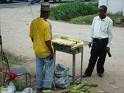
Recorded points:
(85, 75)
(100, 74)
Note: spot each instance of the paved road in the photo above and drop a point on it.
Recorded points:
(15, 20)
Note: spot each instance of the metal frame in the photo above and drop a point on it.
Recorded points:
(5, 61)
(73, 52)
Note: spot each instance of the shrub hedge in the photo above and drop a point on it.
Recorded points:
(82, 19)
(71, 10)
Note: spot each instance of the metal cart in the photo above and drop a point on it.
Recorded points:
(68, 49)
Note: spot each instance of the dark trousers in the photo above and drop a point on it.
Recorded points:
(98, 54)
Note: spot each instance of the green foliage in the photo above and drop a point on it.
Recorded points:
(89, 18)
(115, 17)
(13, 59)
(82, 86)
(71, 10)
(82, 19)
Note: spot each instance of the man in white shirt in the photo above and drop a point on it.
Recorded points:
(101, 37)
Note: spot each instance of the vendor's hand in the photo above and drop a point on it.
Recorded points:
(107, 49)
(0, 40)
(50, 57)
(90, 44)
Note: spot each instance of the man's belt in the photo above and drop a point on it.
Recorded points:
(100, 39)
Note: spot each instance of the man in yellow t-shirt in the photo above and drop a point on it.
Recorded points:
(42, 45)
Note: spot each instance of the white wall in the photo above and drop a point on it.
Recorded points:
(123, 7)
(103, 2)
(114, 6)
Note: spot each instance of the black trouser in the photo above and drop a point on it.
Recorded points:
(98, 54)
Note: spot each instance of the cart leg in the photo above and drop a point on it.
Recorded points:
(55, 67)
(55, 56)
(29, 79)
(73, 69)
(26, 80)
(81, 62)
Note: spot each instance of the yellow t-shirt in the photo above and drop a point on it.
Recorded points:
(40, 32)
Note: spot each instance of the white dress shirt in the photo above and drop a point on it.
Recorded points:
(102, 28)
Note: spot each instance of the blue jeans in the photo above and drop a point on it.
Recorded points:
(44, 72)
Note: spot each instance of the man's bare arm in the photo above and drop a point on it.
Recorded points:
(32, 39)
(48, 43)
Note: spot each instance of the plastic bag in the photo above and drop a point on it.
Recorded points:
(61, 76)
(11, 88)
(27, 90)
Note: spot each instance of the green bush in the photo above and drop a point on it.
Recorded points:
(115, 17)
(89, 18)
(13, 59)
(83, 19)
(71, 10)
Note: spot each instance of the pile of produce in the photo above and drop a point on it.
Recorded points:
(64, 40)
(83, 87)
(79, 87)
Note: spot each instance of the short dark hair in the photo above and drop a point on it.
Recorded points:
(104, 8)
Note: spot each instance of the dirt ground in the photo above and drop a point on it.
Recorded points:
(15, 20)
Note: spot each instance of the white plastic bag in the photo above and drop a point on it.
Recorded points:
(11, 88)
(27, 90)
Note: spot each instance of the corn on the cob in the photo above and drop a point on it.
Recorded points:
(78, 45)
(68, 41)
(64, 42)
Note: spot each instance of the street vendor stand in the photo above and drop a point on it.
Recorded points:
(70, 46)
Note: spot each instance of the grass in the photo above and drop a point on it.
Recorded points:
(115, 17)
(82, 19)
(88, 19)
(13, 59)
